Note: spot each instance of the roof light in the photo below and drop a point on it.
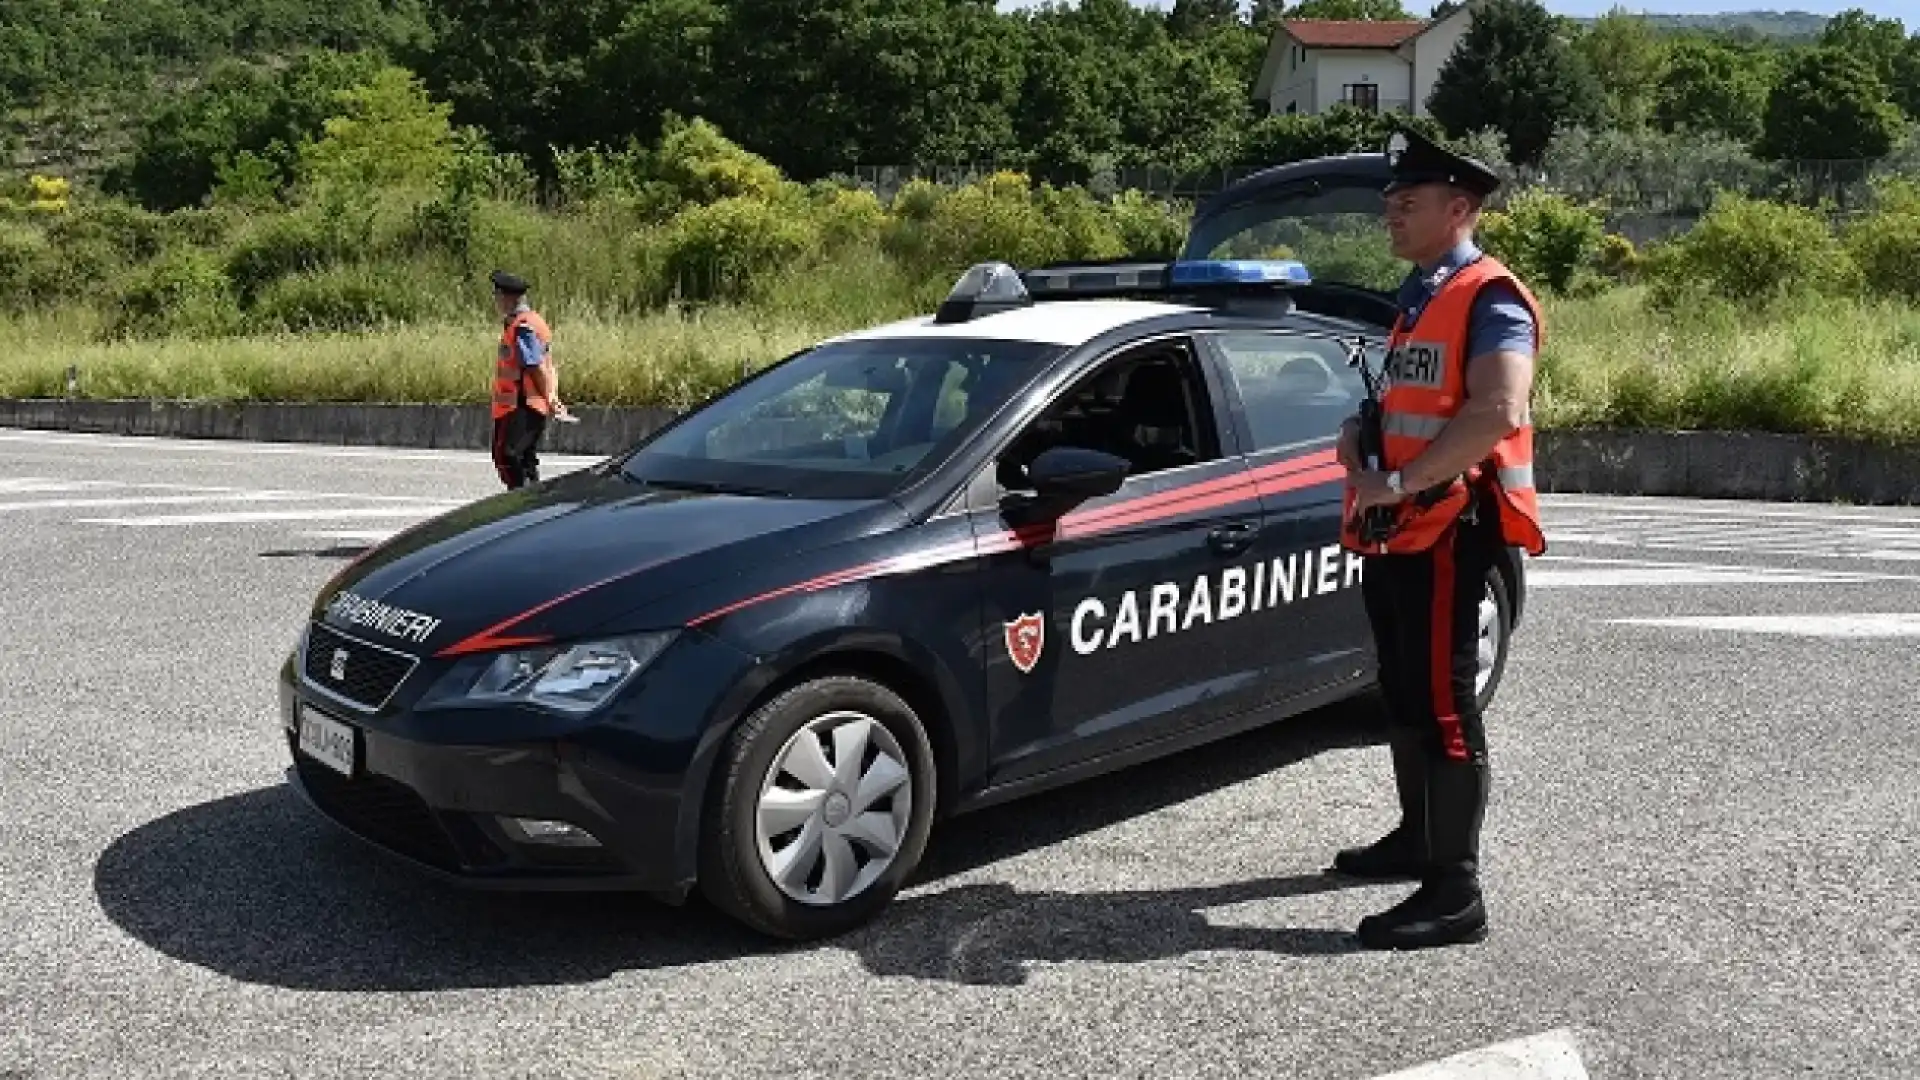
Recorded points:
(1240, 271)
(985, 288)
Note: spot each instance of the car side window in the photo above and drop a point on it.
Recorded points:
(1148, 405)
(1294, 388)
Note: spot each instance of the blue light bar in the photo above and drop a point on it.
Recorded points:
(1239, 271)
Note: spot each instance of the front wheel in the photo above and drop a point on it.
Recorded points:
(1494, 624)
(820, 809)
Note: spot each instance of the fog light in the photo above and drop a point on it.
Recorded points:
(552, 833)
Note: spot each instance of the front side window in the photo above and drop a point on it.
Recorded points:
(1295, 389)
(852, 419)
(1149, 406)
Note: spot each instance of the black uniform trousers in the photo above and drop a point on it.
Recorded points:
(1424, 610)
(516, 441)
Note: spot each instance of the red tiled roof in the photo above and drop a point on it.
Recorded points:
(1353, 33)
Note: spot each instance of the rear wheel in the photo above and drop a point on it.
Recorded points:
(1493, 623)
(820, 809)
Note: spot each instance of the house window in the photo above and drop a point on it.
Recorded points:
(1362, 95)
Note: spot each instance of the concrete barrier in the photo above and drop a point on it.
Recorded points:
(1706, 464)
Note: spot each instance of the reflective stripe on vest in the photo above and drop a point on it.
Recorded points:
(512, 380)
(1426, 385)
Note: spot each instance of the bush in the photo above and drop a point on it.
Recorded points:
(183, 293)
(723, 249)
(992, 219)
(1885, 246)
(343, 298)
(21, 252)
(280, 246)
(849, 218)
(1086, 232)
(701, 165)
(1618, 259)
(1544, 238)
(1148, 229)
(1750, 252)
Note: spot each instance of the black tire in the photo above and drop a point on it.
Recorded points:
(1503, 615)
(732, 875)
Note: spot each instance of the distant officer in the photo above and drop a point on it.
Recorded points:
(526, 386)
(1456, 420)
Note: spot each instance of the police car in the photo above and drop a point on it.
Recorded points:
(1076, 519)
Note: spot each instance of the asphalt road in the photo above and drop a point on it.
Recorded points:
(1702, 848)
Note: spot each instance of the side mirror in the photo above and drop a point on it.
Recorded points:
(1072, 473)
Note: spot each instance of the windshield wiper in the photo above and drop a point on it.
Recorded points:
(709, 487)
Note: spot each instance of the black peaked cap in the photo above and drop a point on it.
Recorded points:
(1416, 159)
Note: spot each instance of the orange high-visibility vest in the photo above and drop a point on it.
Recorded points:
(511, 378)
(1426, 379)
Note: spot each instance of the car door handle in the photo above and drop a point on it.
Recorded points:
(1228, 539)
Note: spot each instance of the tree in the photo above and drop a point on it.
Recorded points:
(1829, 105)
(1371, 10)
(1627, 58)
(1264, 13)
(1708, 87)
(1877, 41)
(1905, 84)
(1511, 72)
(1195, 18)
(388, 133)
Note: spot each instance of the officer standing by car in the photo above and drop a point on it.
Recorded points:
(1456, 479)
(526, 385)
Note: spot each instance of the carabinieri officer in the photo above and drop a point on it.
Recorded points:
(1455, 419)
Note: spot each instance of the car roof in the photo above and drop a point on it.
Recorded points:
(1046, 322)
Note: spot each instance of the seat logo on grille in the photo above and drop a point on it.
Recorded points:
(338, 669)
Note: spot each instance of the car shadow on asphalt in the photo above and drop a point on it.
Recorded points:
(256, 887)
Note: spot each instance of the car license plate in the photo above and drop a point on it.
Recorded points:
(327, 741)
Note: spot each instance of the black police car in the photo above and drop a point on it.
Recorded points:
(1079, 518)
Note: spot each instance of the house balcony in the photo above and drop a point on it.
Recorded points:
(1371, 103)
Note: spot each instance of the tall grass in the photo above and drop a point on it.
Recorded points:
(1851, 368)
(1845, 367)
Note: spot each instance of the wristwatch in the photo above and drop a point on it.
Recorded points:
(1393, 483)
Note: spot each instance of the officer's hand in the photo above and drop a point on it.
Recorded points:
(1348, 451)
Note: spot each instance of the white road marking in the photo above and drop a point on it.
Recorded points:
(1753, 530)
(1658, 572)
(1866, 625)
(232, 496)
(1609, 577)
(317, 513)
(1696, 508)
(1549, 1055)
(150, 443)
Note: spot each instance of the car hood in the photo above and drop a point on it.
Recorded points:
(562, 558)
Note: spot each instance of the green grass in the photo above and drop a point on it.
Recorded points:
(1840, 367)
(1849, 368)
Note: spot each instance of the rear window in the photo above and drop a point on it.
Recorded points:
(850, 420)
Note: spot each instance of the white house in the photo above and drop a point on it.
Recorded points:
(1384, 65)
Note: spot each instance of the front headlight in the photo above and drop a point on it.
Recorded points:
(570, 679)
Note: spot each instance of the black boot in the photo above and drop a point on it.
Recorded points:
(1402, 852)
(1448, 908)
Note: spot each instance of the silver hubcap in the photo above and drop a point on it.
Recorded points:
(1489, 648)
(834, 808)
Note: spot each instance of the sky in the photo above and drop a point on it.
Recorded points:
(1907, 11)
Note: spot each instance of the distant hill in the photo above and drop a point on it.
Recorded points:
(1783, 25)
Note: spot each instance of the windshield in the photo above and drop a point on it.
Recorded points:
(1333, 226)
(846, 420)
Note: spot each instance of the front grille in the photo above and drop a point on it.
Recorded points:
(382, 810)
(369, 674)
